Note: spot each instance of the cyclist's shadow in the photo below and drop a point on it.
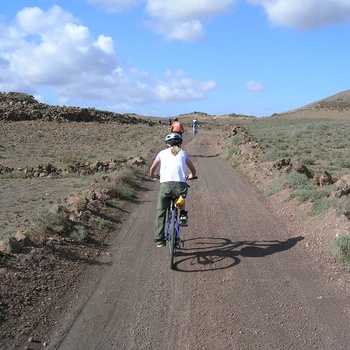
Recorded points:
(209, 253)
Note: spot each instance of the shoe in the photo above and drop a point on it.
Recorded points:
(160, 244)
(183, 218)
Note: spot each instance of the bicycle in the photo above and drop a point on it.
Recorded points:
(172, 228)
(172, 231)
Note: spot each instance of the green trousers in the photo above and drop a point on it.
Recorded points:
(167, 190)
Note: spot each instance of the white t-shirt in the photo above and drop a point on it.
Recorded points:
(172, 168)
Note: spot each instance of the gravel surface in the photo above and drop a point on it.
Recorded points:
(250, 276)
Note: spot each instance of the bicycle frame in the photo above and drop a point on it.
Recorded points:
(172, 211)
(172, 232)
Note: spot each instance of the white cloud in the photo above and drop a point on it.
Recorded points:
(122, 107)
(105, 43)
(184, 10)
(50, 49)
(181, 19)
(33, 20)
(189, 31)
(305, 14)
(254, 86)
(173, 19)
(113, 6)
(180, 86)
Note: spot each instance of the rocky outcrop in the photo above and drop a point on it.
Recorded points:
(323, 180)
(15, 244)
(81, 168)
(16, 106)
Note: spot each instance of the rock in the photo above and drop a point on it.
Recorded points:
(279, 164)
(137, 161)
(77, 203)
(4, 247)
(15, 246)
(22, 238)
(302, 169)
(59, 209)
(342, 187)
(323, 180)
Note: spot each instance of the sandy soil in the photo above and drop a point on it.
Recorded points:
(254, 273)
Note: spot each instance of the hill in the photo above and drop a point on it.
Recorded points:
(339, 101)
(17, 106)
(336, 106)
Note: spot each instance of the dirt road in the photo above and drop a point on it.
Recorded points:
(244, 279)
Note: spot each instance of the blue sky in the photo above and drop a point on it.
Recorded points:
(169, 57)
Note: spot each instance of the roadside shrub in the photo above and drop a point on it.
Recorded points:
(274, 188)
(343, 244)
(308, 161)
(16, 175)
(4, 259)
(123, 184)
(311, 195)
(79, 234)
(343, 163)
(8, 233)
(46, 223)
(296, 181)
(232, 151)
(101, 223)
(320, 205)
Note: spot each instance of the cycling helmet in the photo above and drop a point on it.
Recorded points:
(175, 119)
(173, 139)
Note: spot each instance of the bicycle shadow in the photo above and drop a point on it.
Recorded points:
(204, 156)
(210, 254)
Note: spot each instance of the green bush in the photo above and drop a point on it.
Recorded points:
(46, 223)
(235, 140)
(343, 163)
(296, 181)
(308, 161)
(320, 205)
(311, 195)
(343, 243)
(79, 234)
(101, 223)
(16, 175)
(4, 259)
(232, 151)
(274, 188)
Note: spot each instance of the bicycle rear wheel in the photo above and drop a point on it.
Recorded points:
(172, 237)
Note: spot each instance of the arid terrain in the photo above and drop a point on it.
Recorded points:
(255, 271)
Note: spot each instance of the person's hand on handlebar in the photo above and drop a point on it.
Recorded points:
(191, 177)
(154, 177)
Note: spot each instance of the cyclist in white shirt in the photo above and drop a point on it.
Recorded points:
(195, 126)
(172, 162)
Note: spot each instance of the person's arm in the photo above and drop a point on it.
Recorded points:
(152, 170)
(192, 169)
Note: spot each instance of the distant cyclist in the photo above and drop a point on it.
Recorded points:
(172, 161)
(177, 127)
(195, 126)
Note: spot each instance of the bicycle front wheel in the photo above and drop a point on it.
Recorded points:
(172, 237)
